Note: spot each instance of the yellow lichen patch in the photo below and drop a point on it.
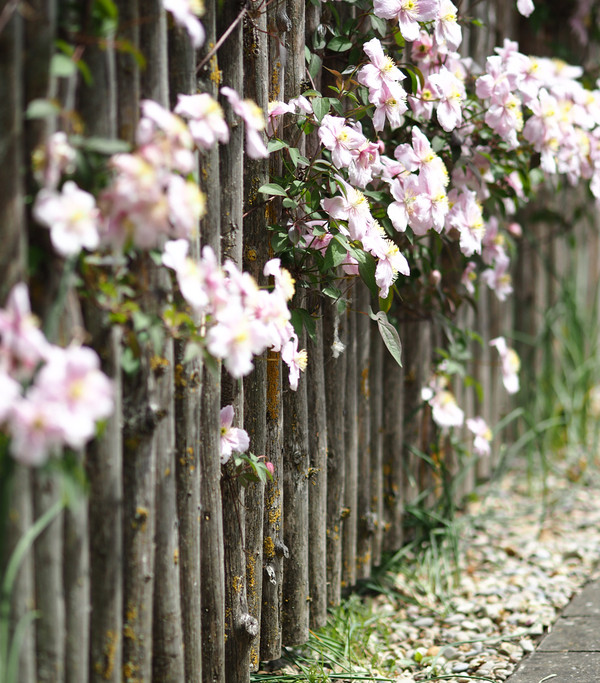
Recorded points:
(176, 556)
(131, 614)
(140, 519)
(180, 380)
(216, 75)
(275, 515)
(268, 548)
(107, 666)
(251, 572)
(237, 583)
(129, 672)
(253, 658)
(364, 382)
(129, 633)
(158, 364)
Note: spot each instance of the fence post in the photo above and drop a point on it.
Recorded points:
(335, 354)
(211, 528)
(256, 247)
(364, 395)
(350, 512)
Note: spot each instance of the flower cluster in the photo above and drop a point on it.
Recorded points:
(50, 397)
(240, 319)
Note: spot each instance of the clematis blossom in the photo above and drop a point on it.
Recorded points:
(233, 439)
(408, 14)
(482, 433)
(510, 362)
(206, 120)
(72, 217)
(254, 120)
(185, 13)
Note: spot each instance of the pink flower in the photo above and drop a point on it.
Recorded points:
(444, 408)
(56, 158)
(206, 120)
(483, 435)
(79, 391)
(352, 207)
(450, 91)
(511, 364)
(233, 439)
(187, 205)
(23, 346)
(253, 118)
(237, 337)
(340, 139)
(498, 278)
(71, 216)
(390, 261)
(408, 13)
(294, 359)
(10, 391)
(448, 33)
(390, 104)
(525, 7)
(185, 13)
(275, 110)
(381, 71)
(34, 432)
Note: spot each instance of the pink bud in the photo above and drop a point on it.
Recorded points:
(435, 277)
(271, 467)
(515, 230)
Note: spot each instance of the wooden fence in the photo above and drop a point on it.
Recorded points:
(170, 570)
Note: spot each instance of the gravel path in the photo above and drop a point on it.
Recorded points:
(521, 563)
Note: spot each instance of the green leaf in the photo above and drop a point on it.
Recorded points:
(272, 189)
(320, 107)
(41, 109)
(289, 203)
(108, 146)
(339, 44)
(335, 255)
(366, 268)
(389, 334)
(275, 145)
(379, 24)
(301, 318)
(386, 304)
(332, 292)
(315, 65)
(62, 66)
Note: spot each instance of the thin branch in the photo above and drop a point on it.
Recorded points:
(222, 39)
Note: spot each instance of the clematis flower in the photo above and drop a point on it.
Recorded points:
(444, 408)
(353, 207)
(53, 159)
(448, 33)
(482, 433)
(340, 139)
(78, 390)
(295, 360)
(511, 364)
(185, 13)
(408, 13)
(233, 439)
(72, 217)
(381, 70)
(206, 120)
(254, 121)
(525, 7)
(23, 345)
